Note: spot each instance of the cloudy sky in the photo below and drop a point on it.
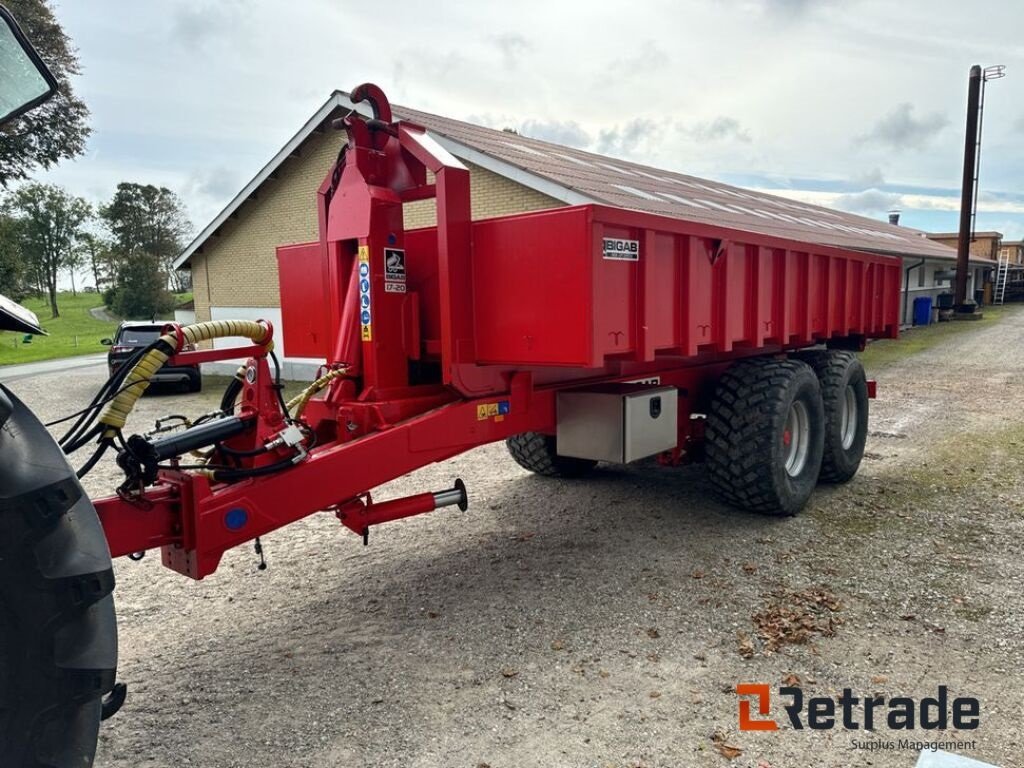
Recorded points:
(857, 105)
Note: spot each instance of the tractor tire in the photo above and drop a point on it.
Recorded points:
(58, 633)
(765, 435)
(844, 391)
(538, 453)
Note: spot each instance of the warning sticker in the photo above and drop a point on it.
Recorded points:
(365, 310)
(620, 250)
(394, 266)
(497, 411)
(394, 287)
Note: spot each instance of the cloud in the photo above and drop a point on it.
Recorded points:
(628, 138)
(649, 57)
(870, 201)
(217, 184)
(195, 25)
(512, 47)
(900, 129)
(566, 132)
(722, 128)
(1018, 124)
(787, 9)
(872, 178)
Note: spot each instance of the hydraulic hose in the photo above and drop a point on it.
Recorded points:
(115, 413)
(298, 403)
(234, 388)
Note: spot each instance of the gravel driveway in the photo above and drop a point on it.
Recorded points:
(603, 622)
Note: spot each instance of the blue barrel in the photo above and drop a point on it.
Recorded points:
(922, 310)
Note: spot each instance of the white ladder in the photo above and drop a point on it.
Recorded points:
(1002, 273)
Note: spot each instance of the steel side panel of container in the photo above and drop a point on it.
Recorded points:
(534, 299)
(304, 311)
(544, 293)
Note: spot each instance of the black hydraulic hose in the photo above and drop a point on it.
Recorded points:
(241, 474)
(231, 393)
(94, 459)
(97, 400)
(73, 438)
(278, 386)
(88, 408)
(232, 452)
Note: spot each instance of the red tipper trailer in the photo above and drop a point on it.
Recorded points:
(578, 335)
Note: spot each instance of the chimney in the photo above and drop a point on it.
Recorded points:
(894, 217)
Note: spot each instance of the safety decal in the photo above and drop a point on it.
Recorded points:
(497, 411)
(365, 310)
(620, 250)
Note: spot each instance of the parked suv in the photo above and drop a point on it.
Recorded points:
(131, 336)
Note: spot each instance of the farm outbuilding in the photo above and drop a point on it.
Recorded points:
(233, 259)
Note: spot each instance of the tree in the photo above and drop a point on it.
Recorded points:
(12, 267)
(75, 261)
(53, 131)
(49, 225)
(144, 219)
(96, 255)
(141, 289)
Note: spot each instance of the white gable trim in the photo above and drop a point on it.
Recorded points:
(514, 173)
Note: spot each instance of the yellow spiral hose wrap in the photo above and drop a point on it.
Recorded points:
(115, 413)
(298, 403)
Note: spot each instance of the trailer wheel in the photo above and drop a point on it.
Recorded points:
(844, 391)
(538, 453)
(765, 435)
(58, 633)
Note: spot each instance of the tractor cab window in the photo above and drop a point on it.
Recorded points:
(25, 80)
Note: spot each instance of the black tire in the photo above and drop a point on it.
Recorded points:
(195, 382)
(58, 633)
(746, 435)
(538, 453)
(838, 372)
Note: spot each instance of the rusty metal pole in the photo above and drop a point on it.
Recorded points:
(963, 250)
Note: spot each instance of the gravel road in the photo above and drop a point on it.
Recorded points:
(603, 622)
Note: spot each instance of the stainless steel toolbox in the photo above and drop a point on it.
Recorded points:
(617, 422)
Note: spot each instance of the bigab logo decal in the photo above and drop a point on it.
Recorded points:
(617, 249)
(394, 270)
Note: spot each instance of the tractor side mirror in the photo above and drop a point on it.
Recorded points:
(107, 342)
(25, 81)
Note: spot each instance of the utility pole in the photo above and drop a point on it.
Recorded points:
(963, 248)
(969, 190)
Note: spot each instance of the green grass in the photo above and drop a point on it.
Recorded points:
(888, 351)
(75, 332)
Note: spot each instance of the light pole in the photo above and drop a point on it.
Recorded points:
(969, 190)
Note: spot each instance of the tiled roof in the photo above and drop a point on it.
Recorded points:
(574, 176)
(630, 185)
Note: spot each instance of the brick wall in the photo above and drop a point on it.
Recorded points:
(238, 266)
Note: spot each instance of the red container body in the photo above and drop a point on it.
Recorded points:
(546, 294)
